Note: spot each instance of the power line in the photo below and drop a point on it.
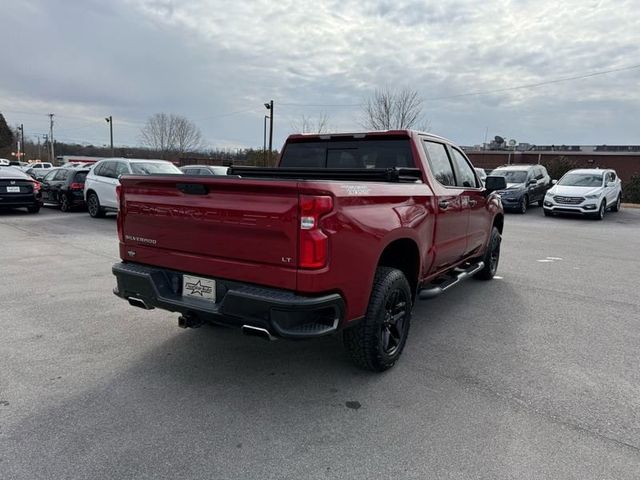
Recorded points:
(484, 92)
(534, 85)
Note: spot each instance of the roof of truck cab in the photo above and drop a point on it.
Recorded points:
(370, 133)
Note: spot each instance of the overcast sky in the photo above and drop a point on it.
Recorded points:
(216, 62)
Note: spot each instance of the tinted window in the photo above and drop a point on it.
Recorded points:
(108, 170)
(80, 177)
(149, 168)
(439, 162)
(349, 154)
(466, 175)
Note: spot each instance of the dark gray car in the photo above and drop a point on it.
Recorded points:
(526, 184)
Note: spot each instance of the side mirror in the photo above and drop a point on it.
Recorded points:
(611, 184)
(494, 182)
(553, 182)
(532, 182)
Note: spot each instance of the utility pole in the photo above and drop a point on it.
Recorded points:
(52, 153)
(22, 134)
(39, 149)
(109, 120)
(269, 106)
(46, 143)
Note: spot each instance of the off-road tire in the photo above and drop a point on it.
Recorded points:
(365, 341)
(95, 210)
(541, 202)
(491, 257)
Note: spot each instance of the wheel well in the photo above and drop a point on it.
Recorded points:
(498, 222)
(404, 255)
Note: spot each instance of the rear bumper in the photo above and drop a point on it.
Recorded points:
(25, 200)
(281, 312)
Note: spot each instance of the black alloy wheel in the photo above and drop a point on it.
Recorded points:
(65, 205)
(393, 326)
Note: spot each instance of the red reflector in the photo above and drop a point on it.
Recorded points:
(313, 244)
(120, 218)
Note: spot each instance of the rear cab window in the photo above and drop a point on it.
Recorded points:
(341, 153)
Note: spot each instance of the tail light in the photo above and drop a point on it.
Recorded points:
(120, 218)
(76, 186)
(314, 244)
(36, 186)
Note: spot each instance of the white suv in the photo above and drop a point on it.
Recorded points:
(587, 191)
(102, 180)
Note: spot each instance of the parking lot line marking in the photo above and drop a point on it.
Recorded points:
(545, 260)
(496, 277)
(554, 258)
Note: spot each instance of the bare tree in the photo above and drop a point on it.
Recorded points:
(388, 109)
(306, 124)
(187, 136)
(170, 133)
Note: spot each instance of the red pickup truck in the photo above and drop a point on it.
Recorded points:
(344, 235)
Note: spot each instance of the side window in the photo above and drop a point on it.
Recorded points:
(108, 170)
(439, 163)
(49, 176)
(467, 177)
(121, 169)
(61, 174)
(539, 173)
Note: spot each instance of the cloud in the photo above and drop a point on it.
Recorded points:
(205, 59)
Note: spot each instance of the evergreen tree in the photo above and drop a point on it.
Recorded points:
(6, 135)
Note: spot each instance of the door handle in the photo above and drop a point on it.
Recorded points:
(472, 203)
(443, 204)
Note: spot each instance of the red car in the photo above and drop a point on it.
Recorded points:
(343, 235)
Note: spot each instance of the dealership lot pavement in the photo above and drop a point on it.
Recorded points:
(533, 375)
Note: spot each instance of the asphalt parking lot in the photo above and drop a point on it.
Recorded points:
(533, 375)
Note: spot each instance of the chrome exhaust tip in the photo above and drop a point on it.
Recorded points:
(138, 302)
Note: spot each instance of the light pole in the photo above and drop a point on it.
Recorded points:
(264, 141)
(21, 143)
(269, 106)
(109, 120)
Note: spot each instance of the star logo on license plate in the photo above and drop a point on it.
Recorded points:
(198, 288)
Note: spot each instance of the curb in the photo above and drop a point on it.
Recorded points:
(631, 205)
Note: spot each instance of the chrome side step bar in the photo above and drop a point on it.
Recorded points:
(435, 290)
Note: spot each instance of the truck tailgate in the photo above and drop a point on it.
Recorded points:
(228, 227)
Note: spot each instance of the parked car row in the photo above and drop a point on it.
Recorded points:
(589, 192)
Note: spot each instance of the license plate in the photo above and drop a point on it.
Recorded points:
(198, 287)
(13, 189)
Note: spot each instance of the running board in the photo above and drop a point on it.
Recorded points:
(450, 281)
